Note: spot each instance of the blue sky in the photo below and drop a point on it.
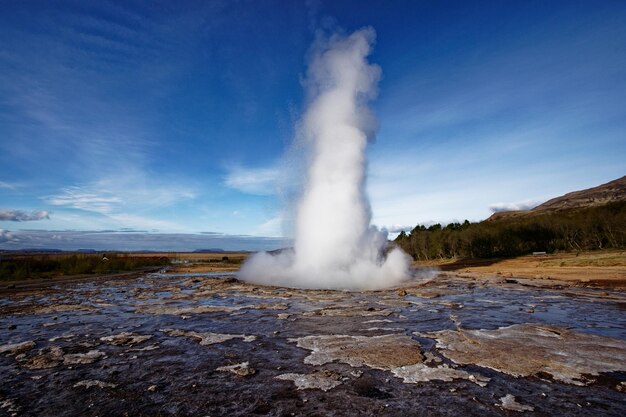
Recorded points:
(150, 118)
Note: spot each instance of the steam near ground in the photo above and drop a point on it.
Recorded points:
(334, 245)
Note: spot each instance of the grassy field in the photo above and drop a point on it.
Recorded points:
(182, 262)
(16, 267)
(29, 266)
(608, 267)
(603, 267)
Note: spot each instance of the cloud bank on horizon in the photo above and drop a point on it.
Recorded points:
(129, 240)
(22, 216)
(120, 115)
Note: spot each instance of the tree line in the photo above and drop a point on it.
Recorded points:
(589, 228)
(16, 267)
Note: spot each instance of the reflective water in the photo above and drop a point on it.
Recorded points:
(176, 375)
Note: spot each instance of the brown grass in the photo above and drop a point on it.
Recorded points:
(607, 267)
(193, 256)
(205, 262)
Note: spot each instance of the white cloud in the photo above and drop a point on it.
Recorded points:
(7, 186)
(521, 205)
(257, 181)
(5, 236)
(143, 222)
(403, 193)
(122, 192)
(86, 198)
(22, 216)
(129, 199)
(397, 228)
(272, 227)
(111, 240)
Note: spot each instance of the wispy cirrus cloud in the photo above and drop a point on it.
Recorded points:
(85, 198)
(124, 191)
(7, 186)
(23, 216)
(272, 227)
(257, 181)
(67, 92)
(70, 87)
(128, 199)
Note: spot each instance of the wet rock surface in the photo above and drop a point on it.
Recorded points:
(125, 338)
(323, 380)
(566, 356)
(17, 348)
(508, 403)
(239, 369)
(202, 345)
(379, 352)
(94, 384)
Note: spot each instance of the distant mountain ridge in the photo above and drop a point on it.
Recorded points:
(610, 192)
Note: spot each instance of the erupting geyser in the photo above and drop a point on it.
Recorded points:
(335, 246)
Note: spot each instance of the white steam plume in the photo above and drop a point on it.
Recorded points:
(335, 246)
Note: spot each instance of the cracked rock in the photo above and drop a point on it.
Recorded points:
(419, 372)
(381, 352)
(530, 349)
(54, 356)
(125, 338)
(239, 369)
(508, 402)
(324, 380)
(17, 348)
(208, 338)
(93, 383)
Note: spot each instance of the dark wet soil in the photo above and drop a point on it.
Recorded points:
(197, 324)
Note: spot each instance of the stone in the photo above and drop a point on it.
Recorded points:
(508, 402)
(17, 348)
(60, 308)
(381, 352)
(348, 312)
(47, 358)
(420, 372)
(239, 369)
(93, 383)
(179, 311)
(125, 338)
(323, 380)
(83, 358)
(208, 338)
(54, 356)
(531, 349)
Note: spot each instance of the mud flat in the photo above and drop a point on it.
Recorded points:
(208, 344)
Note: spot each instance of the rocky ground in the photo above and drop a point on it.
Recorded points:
(209, 345)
